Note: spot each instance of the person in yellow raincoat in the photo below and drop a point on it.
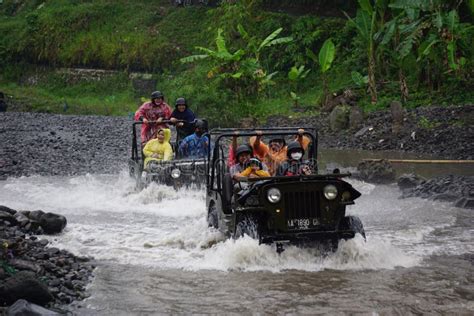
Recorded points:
(159, 148)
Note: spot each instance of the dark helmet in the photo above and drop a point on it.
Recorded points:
(157, 95)
(201, 124)
(180, 101)
(277, 138)
(294, 146)
(245, 148)
(255, 161)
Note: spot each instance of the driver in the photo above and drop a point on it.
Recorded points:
(243, 155)
(195, 146)
(155, 110)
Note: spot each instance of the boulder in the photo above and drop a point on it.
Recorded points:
(24, 285)
(7, 209)
(376, 171)
(396, 109)
(409, 181)
(356, 117)
(465, 202)
(339, 118)
(52, 223)
(23, 308)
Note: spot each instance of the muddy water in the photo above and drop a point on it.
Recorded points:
(156, 255)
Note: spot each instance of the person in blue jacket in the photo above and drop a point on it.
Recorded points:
(183, 118)
(196, 145)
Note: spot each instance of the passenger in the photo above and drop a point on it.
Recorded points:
(195, 146)
(276, 152)
(295, 165)
(254, 170)
(159, 148)
(155, 110)
(183, 118)
(243, 154)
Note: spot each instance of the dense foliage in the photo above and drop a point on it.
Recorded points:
(241, 58)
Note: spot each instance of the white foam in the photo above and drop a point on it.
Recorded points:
(161, 227)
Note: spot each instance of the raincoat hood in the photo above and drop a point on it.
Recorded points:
(167, 133)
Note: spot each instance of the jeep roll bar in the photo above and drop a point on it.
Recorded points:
(290, 131)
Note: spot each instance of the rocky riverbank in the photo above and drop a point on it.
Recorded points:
(32, 271)
(51, 144)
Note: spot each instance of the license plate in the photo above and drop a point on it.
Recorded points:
(302, 223)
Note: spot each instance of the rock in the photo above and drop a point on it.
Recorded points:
(396, 110)
(465, 202)
(35, 215)
(377, 171)
(52, 223)
(363, 131)
(339, 118)
(7, 209)
(408, 181)
(5, 216)
(24, 285)
(24, 265)
(356, 117)
(25, 308)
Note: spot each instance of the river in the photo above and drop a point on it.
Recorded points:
(155, 254)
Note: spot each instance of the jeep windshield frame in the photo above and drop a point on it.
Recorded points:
(217, 158)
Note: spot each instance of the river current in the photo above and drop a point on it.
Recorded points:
(155, 254)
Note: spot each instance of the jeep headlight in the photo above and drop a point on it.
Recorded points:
(175, 173)
(330, 192)
(273, 195)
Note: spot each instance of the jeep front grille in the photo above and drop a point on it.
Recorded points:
(300, 205)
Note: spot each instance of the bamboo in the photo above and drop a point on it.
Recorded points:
(422, 161)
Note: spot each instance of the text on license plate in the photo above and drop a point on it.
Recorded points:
(302, 223)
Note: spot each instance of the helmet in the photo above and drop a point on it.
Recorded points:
(255, 161)
(277, 139)
(294, 146)
(243, 149)
(200, 124)
(156, 95)
(180, 101)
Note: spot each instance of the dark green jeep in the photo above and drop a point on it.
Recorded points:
(299, 209)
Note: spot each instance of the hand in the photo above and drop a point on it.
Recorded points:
(173, 120)
(145, 121)
(253, 175)
(259, 133)
(236, 133)
(180, 124)
(155, 155)
(300, 132)
(159, 120)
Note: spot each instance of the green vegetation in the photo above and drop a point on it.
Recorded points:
(242, 58)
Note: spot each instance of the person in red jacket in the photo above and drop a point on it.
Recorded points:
(151, 113)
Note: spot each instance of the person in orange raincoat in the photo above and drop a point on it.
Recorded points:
(275, 152)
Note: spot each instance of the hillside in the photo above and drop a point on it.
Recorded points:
(417, 53)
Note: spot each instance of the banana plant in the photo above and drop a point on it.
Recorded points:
(325, 59)
(242, 67)
(365, 23)
(296, 75)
